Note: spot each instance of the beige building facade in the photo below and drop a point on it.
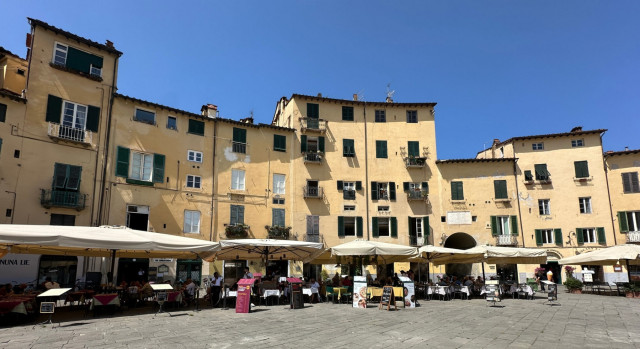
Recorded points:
(623, 168)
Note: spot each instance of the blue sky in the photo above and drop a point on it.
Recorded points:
(497, 69)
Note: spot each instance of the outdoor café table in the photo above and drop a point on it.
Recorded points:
(521, 288)
(306, 291)
(270, 293)
(174, 296)
(105, 299)
(484, 290)
(466, 290)
(20, 305)
(377, 292)
(443, 291)
(79, 296)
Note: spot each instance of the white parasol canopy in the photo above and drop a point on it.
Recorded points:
(495, 255)
(449, 255)
(606, 256)
(273, 249)
(386, 252)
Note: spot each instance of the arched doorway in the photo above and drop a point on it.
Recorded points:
(460, 241)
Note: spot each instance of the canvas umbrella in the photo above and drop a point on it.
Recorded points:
(607, 256)
(387, 253)
(267, 249)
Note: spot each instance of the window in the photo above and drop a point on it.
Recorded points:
(383, 190)
(384, 226)
(412, 116)
(277, 217)
(62, 219)
(66, 177)
(528, 177)
(541, 172)
(95, 71)
(500, 189)
(547, 236)
(347, 113)
(629, 221)
(457, 191)
(77, 60)
(279, 143)
(543, 207)
(192, 222)
(0, 145)
(194, 156)
(196, 127)
(74, 115)
(60, 54)
(172, 124)
(582, 169)
(585, 205)
(21, 71)
(383, 209)
(348, 148)
(313, 110)
(311, 145)
(381, 116)
(502, 225)
(577, 143)
(194, 182)
(537, 146)
(278, 184)
(349, 226)
(237, 215)
(278, 201)
(349, 190)
(588, 235)
(349, 207)
(630, 183)
(381, 149)
(148, 117)
(237, 179)
(141, 166)
(313, 227)
(239, 144)
(413, 149)
(3, 112)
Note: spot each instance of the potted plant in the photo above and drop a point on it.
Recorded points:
(236, 231)
(278, 232)
(573, 285)
(632, 290)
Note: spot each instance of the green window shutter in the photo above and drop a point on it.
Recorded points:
(347, 113)
(122, 162)
(3, 112)
(622, 221)
(457, 191)
(405, 186)
(158, 168)
(528, 176)
(279, 143)
(374, 227)
(414, 149)
(426, 227)
(233, 214)
(500, 189)
(0, 145)
(381, 149)
(60, 172)
(425, 187)
(558, 236)
(239, 135)
(582, 169)
(93, 118)
(340, 226)
(81, 61)
(313, 110)
(602, 238)
(54, 109)
(358, 185)
(348, 147)
(241, 214)
(73, 177)
(541, 172)
(303, 144)
(538, 237)
(392, 190)
(514, 225)
(374, 190)
(196, 127)
(359, 224)
(340, 185)
(394, 227)
(321, 144)
(494, 226)
(579, 236)
(384, 149)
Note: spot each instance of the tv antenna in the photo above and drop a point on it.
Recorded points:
(390, 93)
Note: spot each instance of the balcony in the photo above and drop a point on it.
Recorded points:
(633, 237)
(70, 134)
(313, 192)
(413, 240)
(349, 194)
(506, 240)
(238, 147)
(313, 238)
(415, 162)
(313, 125)
(57, 198)
(313, 157)
(236, 231)
(417, 195)
(278, 232)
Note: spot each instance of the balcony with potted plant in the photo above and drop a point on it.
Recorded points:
(237, 231)
(278, 232)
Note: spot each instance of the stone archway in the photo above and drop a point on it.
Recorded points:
(460, 241)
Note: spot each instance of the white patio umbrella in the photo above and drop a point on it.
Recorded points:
(494, 255)
(268, 249)
(387, 253)
(607, 256)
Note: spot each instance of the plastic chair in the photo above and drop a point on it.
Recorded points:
(329, 293)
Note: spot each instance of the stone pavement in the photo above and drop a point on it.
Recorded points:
(580, 321)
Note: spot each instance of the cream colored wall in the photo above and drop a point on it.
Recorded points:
(10, 167)
(9, 77)
(167, 201)
(616, 166)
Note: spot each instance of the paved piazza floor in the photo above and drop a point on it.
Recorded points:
(579, 321)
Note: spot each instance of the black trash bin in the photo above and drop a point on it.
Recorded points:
(295, 293)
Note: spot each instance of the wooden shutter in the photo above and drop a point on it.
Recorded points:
(233, 215)
(426, 227)
(239, 135)
(623, 222)
(500, 189)
(392, 190)
(321, 144)
(424, 187)
(313, 110)
(630, 183)
(347, 113)
(374, 227)
(81, 61)
(579, 236)
(413, 148)
(405, 186)
(340, 185)
(374, 190)
(54, 109)
(93, 118)
(541, 172)
(359, 224)
(279, 143)
(340, 226)
(494, 226)
(240, 214)
(528, 176)
(581, 169)
(393, 221)
(358, 185)
(122, 162)
(196, 127)
(514, 225)
(60, 176)
(73, 177)
(303, 143)
(602, 238)
(158, 168)
(457, 191)
(558, 236)
(538, 237)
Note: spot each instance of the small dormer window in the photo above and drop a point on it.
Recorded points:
(20, 71)
(577, 143)
(95, 71)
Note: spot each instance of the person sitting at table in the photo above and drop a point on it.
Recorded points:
(188, 291)
(146, 291)
(336, 280)
(315, 291)
(443, 282)
(247, 274)
(479, 281)
(468, 281)
(48, 284)
(389, 281)
(456, 281)
(411, 275)
(346, 282)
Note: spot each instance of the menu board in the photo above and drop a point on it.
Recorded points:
(243, 299)
(47, 307)
(387, 298)
(359, 292)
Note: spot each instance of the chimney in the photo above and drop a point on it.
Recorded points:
(496, 141)
(389, 99)
(626, 148)
(355, 97)
(609, 152)
(209, 110)
(576, 129)
(319, 95)
(110, 44)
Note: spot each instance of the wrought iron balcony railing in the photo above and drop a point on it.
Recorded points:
(506, 240)
(313, 192)
(313, 157)
(69, 133)
(415, 162)
(417, 195)
(59, 198)
(313, 124)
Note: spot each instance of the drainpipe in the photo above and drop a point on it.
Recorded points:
(213, 180)
(606, 177)
(515, 174)
(366, 168)
(95, 184)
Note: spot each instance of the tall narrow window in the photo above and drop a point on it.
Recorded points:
(457, 191)
(543, 207)
(277, 217)
(348, 148)
(194, 182)
(380, 116)
(381, 149)
(237, 179)
(347, 113)
(585, 205)
(239, 144)
(141, 166)
(279, 184)
(237, 215)
(172, 124)
(630, 183)
(500, 189)
(60, 54)
(412, 116)
(192, 222)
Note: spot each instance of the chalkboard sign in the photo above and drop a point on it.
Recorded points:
(47, 307)
(162, 297)
(387, 298)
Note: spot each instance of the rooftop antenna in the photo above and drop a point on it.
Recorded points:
(360, 95)
(390, 93)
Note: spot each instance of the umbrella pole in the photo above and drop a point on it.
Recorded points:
(113, 263)
(628, 272)
(484, 278)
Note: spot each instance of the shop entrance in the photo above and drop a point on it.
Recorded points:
(233, 271)
(312, 271)
(132, 269)
(507, 272)
(278, 268)
(61, 269)
(555, 268)
(189, 268)
(460, 241)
